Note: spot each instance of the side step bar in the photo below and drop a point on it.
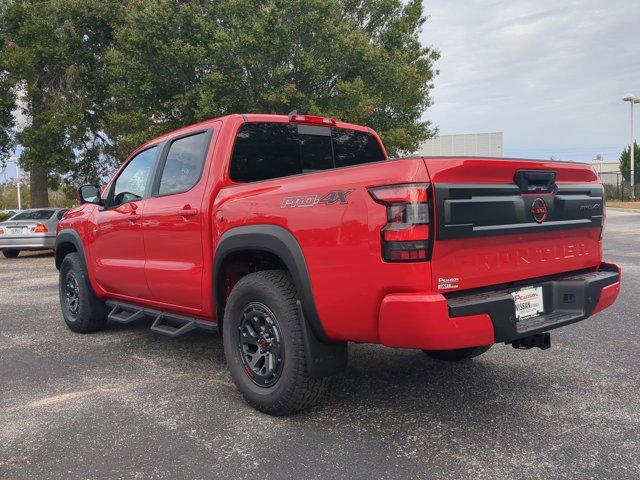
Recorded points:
(165, 323)
(125, 314)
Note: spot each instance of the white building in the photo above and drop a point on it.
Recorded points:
(471, 144)
(607, 167)
(609, 172)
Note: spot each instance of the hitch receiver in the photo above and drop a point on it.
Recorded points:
(540, 340)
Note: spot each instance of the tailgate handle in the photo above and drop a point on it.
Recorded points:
(535, 181)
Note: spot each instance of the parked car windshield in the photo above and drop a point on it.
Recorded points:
(34, 215)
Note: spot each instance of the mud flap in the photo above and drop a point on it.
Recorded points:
(323, 359)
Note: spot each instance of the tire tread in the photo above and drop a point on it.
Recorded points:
(92, 315)
(303, 391)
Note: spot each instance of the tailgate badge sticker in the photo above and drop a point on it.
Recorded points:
(329, 198)
(448, 283)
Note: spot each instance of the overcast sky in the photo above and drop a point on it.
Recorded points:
(550, 74)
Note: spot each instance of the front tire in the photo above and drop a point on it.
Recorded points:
(83, 312)
(264, 345)
(11, 253)
(458, 354)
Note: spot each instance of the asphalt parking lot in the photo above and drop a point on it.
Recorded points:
(126, 403)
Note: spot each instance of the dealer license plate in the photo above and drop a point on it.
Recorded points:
(528, 302)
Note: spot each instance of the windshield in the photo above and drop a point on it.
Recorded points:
(34, 215)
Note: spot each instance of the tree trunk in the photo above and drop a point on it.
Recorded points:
(39, 184)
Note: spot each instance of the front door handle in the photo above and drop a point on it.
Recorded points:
(188, 212)
(134, 217)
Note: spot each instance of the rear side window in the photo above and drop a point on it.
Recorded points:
(132, 181)
(265, 150)
(34, 215)
(183, 166)
(271, 150)
(355, 148)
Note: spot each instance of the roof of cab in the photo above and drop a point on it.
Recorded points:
(246, 117)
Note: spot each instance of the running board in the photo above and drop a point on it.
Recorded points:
(165, 323)
(125, 314)
(173, 326)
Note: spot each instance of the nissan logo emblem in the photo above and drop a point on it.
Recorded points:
(539, 210)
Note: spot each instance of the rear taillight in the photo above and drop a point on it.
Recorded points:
(40, 228)
(1, 231)
(405, 237)
(604, 213)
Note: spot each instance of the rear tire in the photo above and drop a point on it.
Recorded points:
(83, 312)
(262, 311)
(458, 354)
(11, 253)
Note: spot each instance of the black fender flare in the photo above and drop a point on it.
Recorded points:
(69, 235)
(324, 356)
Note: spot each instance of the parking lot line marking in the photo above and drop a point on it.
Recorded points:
(43, 402)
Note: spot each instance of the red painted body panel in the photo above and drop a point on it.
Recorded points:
(486, 261)
(422, 321)
(479, 262)
(118, 250)
(607, 297)
(341, 242)
(165, 261)
(609, 293)
(501, 170)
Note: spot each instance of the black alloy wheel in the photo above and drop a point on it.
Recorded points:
(72, 294)
(260, 345)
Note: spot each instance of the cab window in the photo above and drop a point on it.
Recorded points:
(183, 166)
(270, 150)
(132, 181)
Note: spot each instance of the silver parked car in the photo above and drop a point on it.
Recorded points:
(33, 229)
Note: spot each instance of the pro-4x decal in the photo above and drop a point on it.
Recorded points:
(329, 198)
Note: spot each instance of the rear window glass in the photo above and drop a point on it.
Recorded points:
(34, 215)
(265, 150)
(354, 148)
(271, 150)
(316, 152)
(183, 166)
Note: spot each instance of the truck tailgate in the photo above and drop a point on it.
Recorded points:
(503, 220)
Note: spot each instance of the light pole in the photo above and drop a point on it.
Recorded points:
(15, 161)
(632, 99)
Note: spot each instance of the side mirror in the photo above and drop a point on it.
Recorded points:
(90, 194)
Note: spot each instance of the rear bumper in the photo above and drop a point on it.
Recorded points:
(28, 243)
(486, 316)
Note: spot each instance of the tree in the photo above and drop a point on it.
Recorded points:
(174, 63)
(6, 118)
(95, 78)
(7, 104)
(625, 162)
(53, 58)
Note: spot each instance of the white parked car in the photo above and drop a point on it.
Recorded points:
(33, 229)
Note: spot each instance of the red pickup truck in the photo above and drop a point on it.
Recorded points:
(293, 235)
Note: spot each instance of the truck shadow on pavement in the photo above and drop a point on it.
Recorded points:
(378, 380)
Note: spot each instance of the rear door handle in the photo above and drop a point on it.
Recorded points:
(188, 212)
